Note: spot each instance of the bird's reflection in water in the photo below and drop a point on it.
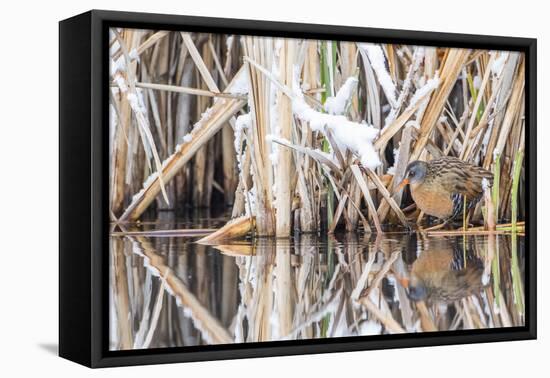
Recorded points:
(170, 291)
(446, 271)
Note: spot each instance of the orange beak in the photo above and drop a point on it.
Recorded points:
(404, 282)
(402, 184)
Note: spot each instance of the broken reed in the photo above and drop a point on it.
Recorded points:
(178, 96)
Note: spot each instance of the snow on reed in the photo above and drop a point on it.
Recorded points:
(496, 152)
(352, 136)
(370, 327)
(418, 58)
(243, 122)
(485, 184)
(338, 103)
(137, 102)
(391, 170)
(378, 63)
(148, 181)
(117, 65)
(498, 63)
(273, 105)
(229, 42)
(349, 136)
(134, 55)
(121, 83)
(240, 84)
(431, 84)
(477, 82)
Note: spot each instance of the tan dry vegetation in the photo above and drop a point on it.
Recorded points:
(204, 119)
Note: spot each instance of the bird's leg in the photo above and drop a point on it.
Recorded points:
(428, 221)
(409, 208)
(436, 227)
(419, 220)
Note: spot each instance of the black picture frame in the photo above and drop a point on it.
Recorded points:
(83, 195)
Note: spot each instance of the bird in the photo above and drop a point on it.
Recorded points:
(439, 186)
(445, 272)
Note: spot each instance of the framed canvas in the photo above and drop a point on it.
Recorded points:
(236, 188)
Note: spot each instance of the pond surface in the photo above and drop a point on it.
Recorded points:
(168, 290)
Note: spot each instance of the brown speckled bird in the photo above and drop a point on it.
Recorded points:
(438, 186)
(440, 274)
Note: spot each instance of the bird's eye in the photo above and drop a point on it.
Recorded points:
(411, 174)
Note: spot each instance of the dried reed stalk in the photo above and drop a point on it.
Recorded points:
(283, 192)
(449, 71)
(260, 50)
(235, 228)
(474, 110)
(211, 122)
(204, 320)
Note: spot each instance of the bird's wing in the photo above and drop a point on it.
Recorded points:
(459, 177)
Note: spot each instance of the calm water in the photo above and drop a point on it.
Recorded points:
(171, 291)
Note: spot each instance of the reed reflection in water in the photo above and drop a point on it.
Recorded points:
(170, 291)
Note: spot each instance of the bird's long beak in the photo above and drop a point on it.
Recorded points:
(402, 184)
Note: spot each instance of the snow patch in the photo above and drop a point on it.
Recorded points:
(134, 55)
(352, 136)
(378, 63)
(274, 157)
(413, 123)
(485, 278)
(137, 102)
(498, 64)
(430, 85)
(121, 83)
(229, 42)
(240, 84)
(118, 65)
(391, 170)
(370, 327)
(338, 103)
(485, 184)
(273, 104)
(242, 122)
(477, 82)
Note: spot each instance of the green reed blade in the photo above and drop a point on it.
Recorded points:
(496, 185)
(516, 278)
(495, 272)
(515, 186)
